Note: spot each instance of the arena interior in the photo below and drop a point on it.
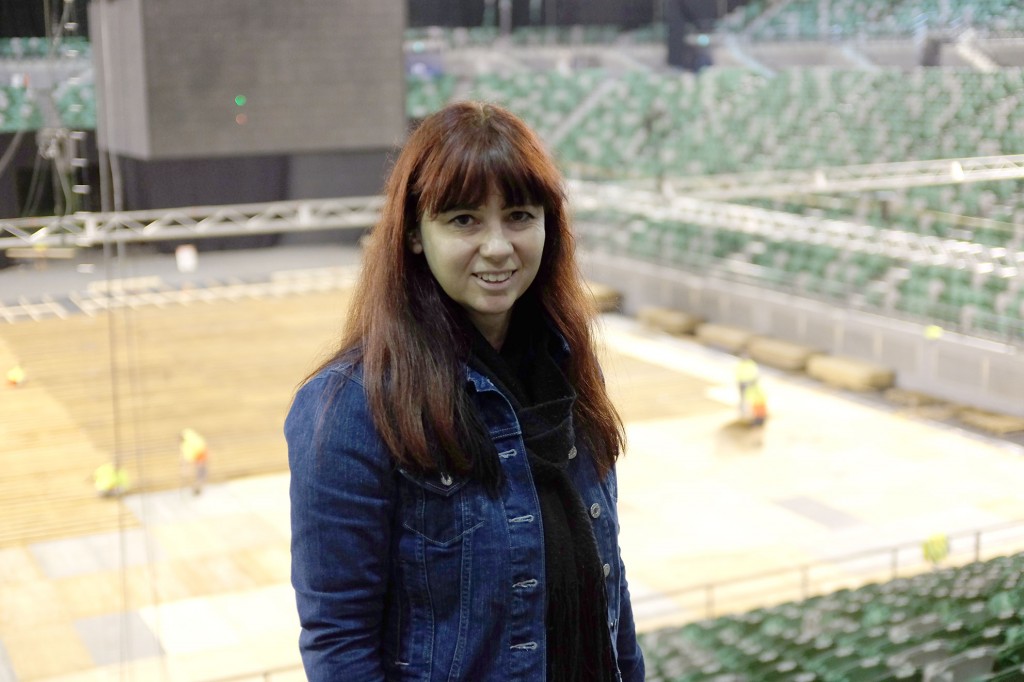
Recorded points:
(834, 188)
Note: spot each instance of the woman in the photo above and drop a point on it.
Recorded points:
(453, 487)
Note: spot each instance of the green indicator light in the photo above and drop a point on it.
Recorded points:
(240, 100)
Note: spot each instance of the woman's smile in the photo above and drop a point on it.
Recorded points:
(495, 278)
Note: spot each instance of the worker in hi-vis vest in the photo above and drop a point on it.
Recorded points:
(194, 456)
(110, 480)
(747, 375)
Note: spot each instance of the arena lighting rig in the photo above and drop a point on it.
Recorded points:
(86, 229)
(779, 225)
(859, 178)
(689, 200)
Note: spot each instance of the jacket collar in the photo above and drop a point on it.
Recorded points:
(482, 383)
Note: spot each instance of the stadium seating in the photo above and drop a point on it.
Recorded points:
(536, 35)
(75, 105)
(18, 109)
(542, 98)
(946, 211)
(955, 624)
(729, 120)
(37, 48)
(949, 294)
(646, 124)
(427, 94)
(812, 19)
(565, 35)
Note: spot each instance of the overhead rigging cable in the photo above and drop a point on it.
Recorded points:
(8, 156)
(58, 144)
(108, 158)
(129, 335)
(115, 399)
(34, 193)
(55, 149)
(126, 396)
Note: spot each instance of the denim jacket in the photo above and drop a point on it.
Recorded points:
(403, 577)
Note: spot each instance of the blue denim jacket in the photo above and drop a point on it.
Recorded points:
(406, 577)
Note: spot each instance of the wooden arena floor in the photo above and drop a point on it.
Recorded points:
(164, 585)
(224, 368)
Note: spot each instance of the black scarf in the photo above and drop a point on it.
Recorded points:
(579, 646)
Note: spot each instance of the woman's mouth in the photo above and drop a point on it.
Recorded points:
(494, 277)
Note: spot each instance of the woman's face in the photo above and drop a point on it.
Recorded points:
(484, 257)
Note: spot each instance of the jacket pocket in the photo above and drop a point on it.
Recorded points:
(441, 511)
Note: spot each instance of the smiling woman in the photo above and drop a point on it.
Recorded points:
(453, 464)
(484, 258)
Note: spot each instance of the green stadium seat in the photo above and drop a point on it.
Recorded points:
(967, 665)
(1011, 674)
(861, 670)
(950, 625)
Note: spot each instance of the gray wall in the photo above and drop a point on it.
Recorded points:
(315, 176)
(957, 368)
(317, 75)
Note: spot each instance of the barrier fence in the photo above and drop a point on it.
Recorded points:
(796, 583)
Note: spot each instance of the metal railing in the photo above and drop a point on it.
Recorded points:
(846, 571)
(794, 583)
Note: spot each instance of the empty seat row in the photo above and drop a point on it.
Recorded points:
(954, 625)
(948, 294)
(813, 19)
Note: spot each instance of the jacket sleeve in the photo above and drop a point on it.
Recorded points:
(631, 659)
(341, 505)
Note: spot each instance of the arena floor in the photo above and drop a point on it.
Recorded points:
(836, 490)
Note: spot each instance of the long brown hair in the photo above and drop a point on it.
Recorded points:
(401, 324)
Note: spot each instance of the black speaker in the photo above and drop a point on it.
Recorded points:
(194, 78)
(685, 22)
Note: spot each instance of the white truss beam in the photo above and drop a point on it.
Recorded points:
(90, 229)
(781, 226)
(875, 176)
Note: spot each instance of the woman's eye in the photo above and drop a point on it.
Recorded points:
(520, 216)
(463, 220)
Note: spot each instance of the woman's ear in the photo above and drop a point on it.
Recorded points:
(412, 240)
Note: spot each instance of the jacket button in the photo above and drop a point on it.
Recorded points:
(572, 453)
(446, 480)
(595, 510)
(607, 569)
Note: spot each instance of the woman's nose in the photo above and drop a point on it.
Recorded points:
(496, 243)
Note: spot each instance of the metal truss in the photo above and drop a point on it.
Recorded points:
(780, 226)
(90, 229)
(104, 295)
(874, 176)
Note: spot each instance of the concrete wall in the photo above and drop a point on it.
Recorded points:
(957, 368)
